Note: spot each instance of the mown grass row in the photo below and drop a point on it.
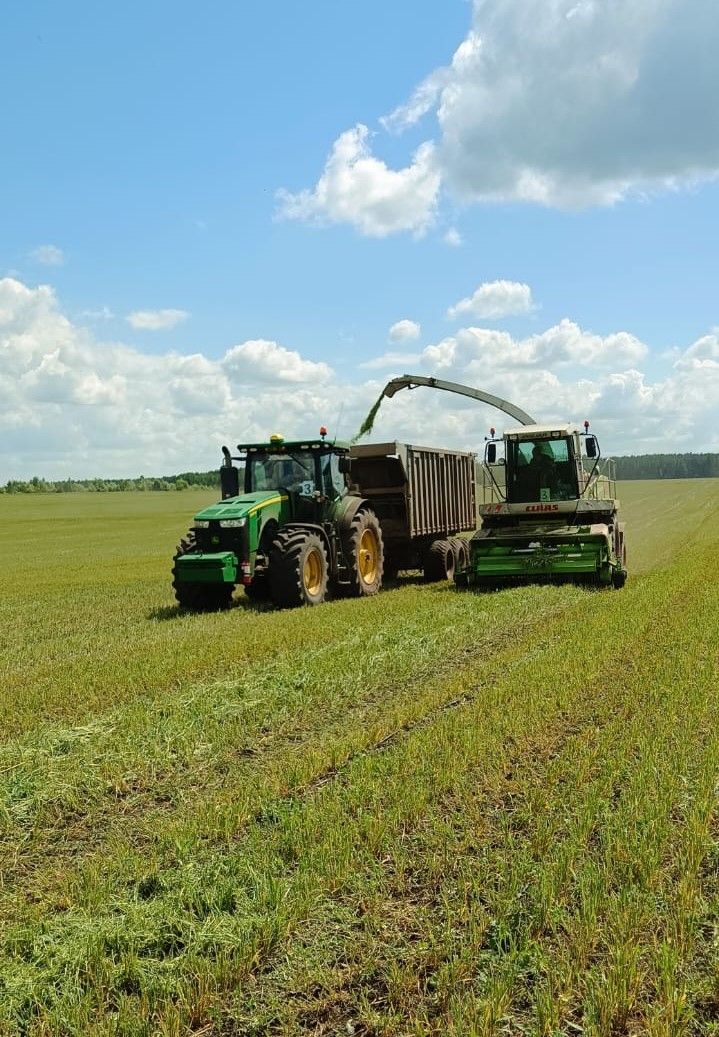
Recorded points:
(446, 879)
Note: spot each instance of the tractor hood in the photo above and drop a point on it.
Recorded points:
(240, 507)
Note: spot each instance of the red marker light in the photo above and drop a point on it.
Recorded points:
(491, 432)
(586, 426)
(323, 431)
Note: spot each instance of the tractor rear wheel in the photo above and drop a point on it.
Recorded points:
(439, 562)
(364, 549)
(198, 597)
(298, 569)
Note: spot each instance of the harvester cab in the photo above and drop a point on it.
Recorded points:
(295, 531)
(543, 463)
(551, 514)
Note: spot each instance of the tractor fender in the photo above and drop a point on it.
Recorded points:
(351, 506)
(266, 533)
(309, 527)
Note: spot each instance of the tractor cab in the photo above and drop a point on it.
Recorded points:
(310, 473)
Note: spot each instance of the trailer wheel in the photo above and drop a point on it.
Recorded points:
(460, 549)
(439, 562)
(298, 570)
(364, 549)
(198, 597)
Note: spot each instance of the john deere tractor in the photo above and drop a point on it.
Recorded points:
(293, 535)
(552, 515)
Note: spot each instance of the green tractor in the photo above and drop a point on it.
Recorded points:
(295, 534)
(552, 515)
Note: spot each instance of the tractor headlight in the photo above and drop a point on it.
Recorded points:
(232, 523)
(201, 524)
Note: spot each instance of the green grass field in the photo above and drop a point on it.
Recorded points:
(430, 812)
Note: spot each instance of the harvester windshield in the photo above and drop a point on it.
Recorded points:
(541, 470)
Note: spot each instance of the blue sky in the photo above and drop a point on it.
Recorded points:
(211, 220)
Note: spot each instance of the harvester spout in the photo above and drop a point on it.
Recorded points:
(410, 381)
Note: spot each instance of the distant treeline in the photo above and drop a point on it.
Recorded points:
(183, 481)
(668, 466)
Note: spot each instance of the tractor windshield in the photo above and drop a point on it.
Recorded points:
(270, 471)
(541, 470)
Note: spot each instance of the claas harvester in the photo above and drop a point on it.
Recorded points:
(550, 511)
(292, 534)
(552, 515)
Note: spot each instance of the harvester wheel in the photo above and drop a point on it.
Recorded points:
(439, 562)
(298, 569)
(199, 597)
(619, 574)
(364, 549)
(619, 578)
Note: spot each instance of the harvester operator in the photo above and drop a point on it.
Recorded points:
(544, 469)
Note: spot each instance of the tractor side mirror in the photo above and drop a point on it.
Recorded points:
(491, 453)
(592, 446)
(229, 481)
(344, 463)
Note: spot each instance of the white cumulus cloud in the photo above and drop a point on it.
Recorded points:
(495, 299)
(565, 344)
(452, 237)
(562, 103)
(404, 331)
(394, 360)
(359, 189)
(156, 320)
(48, 255)
(575, 103)
(259, 360)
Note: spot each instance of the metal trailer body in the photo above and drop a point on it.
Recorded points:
(423, 497)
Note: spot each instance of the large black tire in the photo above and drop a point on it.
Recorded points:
(298, 569)
(199, 597)
(259, 589)
(389, 569)
(619, 575)
(364, 550)
(460, 549)
(439, 562)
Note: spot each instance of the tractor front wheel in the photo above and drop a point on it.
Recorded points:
(298, 570)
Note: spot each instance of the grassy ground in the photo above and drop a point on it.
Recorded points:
(426, 813)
